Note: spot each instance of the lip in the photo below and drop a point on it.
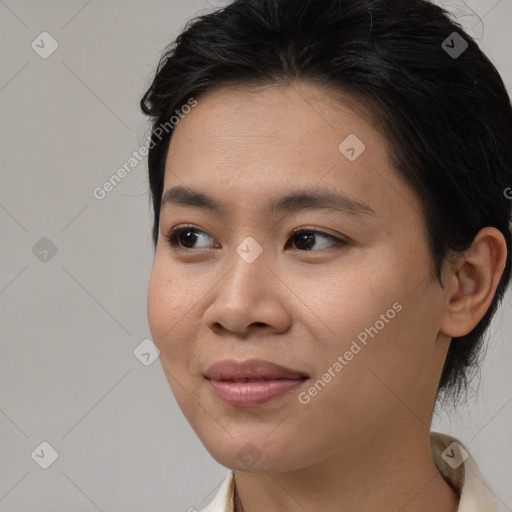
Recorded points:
(229, 369)
(227, 380)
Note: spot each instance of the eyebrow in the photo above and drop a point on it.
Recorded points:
(298, 200)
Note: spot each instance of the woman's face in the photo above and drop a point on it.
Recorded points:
(348, 303)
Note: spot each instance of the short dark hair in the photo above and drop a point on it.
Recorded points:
(446, 115)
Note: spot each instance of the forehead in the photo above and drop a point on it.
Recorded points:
(246, 143)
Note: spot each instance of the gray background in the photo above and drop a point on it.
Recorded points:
(70, 324)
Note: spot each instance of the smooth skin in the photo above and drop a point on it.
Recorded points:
(362, 443)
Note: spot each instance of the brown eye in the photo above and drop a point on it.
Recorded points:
(305, 239)
(185, 237)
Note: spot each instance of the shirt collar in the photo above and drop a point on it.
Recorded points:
(452, 459)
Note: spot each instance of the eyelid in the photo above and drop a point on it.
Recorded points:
(318, 232)
(171, 236)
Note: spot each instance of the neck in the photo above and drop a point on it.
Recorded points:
(390, 473)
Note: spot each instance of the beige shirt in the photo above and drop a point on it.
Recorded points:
(451, 458)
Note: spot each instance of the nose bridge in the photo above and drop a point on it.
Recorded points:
(238, 301)
(249, 250)
(248, 265)
(247, 296)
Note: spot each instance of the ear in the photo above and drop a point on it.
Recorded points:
(471, 282)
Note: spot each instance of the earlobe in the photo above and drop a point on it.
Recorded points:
(472, 279)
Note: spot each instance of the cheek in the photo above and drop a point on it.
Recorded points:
(384, 332)
(395, 359)
(350, 305)
(159, 311)
(167, 308)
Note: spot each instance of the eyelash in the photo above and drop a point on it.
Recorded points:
(172, 238)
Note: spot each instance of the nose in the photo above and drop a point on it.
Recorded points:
(249, 297)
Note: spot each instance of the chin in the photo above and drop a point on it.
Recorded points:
(251, 453)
